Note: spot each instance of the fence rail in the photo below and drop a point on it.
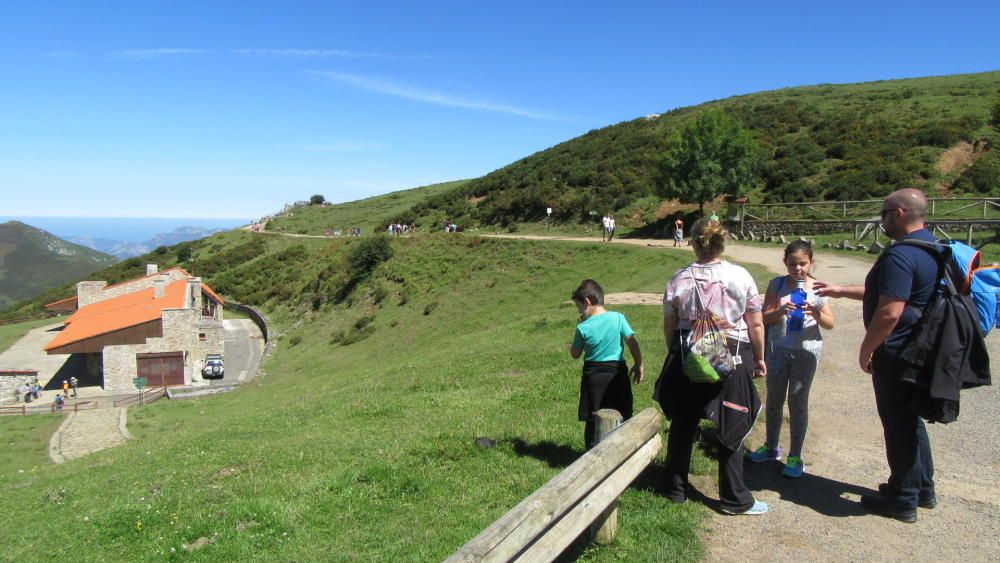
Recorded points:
(141, 398)
(545, 523)
(50, 408)
(954, 208)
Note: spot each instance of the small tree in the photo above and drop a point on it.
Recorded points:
(712, 156)
(995, 114)
(317, 200)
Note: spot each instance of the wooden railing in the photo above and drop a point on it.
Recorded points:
(543, 525)
(50, 408)
(142, 398)
(937, 208)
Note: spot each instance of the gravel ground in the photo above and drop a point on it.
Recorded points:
(819, 517)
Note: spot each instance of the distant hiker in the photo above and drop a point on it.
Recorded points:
(599, 337)
(59, 403)
(678, 232)
(705, 304)
(36, 389)
(65, 388)
(605, 226)
(611, 227)
(792, 355)
(898, 287)
(74, 383)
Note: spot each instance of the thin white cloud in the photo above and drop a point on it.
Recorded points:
(418, 94)
(318, 54)
(161, 53)
(62, 54)
(334, 147)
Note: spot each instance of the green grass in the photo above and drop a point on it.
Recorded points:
(25, 442)
(369, 214)
(11, 333)
(365, 451)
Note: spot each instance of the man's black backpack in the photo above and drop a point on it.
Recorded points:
(946, 352)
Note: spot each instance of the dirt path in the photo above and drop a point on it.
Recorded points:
(819, 517)
(86, 432)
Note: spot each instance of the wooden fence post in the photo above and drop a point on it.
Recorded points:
(606, 525)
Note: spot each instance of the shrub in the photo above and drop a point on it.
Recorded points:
(366, 255)
(317, 200)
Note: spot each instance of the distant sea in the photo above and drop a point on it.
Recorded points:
(128, 229)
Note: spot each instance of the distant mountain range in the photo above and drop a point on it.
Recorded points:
(33, 260)
(124, 249)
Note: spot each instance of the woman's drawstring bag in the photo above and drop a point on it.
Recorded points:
(705, 352)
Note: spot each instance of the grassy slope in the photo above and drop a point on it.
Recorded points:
(365, 451)
(835, 141)
(9, 334)
(29, 265)
(368, 214)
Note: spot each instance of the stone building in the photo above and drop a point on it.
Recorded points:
(160, 326)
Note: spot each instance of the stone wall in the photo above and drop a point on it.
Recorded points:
(9, 385)
(182, 330)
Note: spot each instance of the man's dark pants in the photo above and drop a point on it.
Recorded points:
(907, 447)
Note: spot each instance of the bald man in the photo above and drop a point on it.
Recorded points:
(894, 294)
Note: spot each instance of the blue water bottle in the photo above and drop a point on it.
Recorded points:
(797, 315)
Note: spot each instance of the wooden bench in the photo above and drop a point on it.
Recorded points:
(543, 525)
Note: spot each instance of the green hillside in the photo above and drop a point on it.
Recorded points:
(33, 260)
(370, 215)
(837, 142)
(357, 444)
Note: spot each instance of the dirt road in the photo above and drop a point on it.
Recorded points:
(819, 517)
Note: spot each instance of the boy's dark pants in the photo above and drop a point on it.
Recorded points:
(907, 447)
(604, 385)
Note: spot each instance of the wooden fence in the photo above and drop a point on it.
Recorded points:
(50, 408)
(543, 525)
(142, 398)
(960, 209)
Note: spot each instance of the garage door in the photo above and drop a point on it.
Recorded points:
(161, 369)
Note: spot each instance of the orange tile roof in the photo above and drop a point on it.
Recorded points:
(118, 313)
(61, 302)
(208, 291)
(215, 296)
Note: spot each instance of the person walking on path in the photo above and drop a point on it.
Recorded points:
(728, 294)
(58, 402)
(792, 355)
(611, 227)
(599, 337)
(74, 383)
(896, 289)
(65, 388)
(678, 232)
(605, 227)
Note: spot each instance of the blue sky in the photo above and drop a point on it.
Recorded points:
(231, 109)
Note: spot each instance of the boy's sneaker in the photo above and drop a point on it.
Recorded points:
(758, 508)
(793, 467)
(764, 453)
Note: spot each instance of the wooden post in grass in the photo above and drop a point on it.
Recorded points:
(606, 525)
(545, 523)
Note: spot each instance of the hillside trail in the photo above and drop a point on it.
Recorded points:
(86, 432)
(819, 516)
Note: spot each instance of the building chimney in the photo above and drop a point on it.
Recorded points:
(151, 269)
(160, 286)
(194, 293)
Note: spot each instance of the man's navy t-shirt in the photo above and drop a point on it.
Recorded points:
(904, 272)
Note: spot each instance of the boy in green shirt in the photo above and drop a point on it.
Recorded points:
(598, 337)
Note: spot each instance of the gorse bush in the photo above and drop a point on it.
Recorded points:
(367, 254)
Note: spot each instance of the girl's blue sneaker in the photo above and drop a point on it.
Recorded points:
(794, 467)
(764, 453)
(757, 509)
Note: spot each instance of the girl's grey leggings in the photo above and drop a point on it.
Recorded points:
(789, 372)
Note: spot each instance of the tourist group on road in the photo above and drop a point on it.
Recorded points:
(720, 334)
